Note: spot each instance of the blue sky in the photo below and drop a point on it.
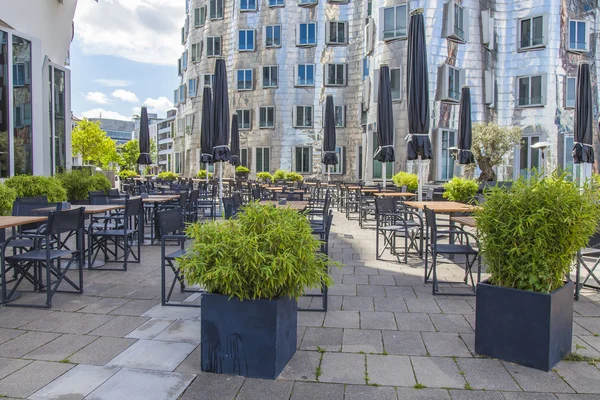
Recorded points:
(124, 55)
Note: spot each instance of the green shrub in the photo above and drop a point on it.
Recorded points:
(293, 177)
(30, 186)
(202, 174)
(242, 170)
(78, 183)
(405, 179)
(279, 175)
(531, 232)
(126, 174)
(265, 253)
(167, 176)
(459, 189)
(263, 176)
(7, 198)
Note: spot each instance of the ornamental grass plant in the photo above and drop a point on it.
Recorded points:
(406, 179)
(78, 183)
(461, 190)
(265, 253)
(31, 186)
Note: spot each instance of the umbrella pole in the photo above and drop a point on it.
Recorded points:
(328, 173)
(420, 189)
(384, 172)
(221, 186)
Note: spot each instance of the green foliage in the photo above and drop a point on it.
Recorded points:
(279, 175)
(202, 174)
(490, 144)
(78, 183)
(265, 253)
(126, 174)
(7, 198)
(242, 170)
(128, 153)
(531, 232)
(459, 189)
(30, 186)
(167, 176)
(92, 144)
(263, 176)
(293, 177)
(405, 179)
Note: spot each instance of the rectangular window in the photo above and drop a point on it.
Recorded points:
(529, 157)
(340, 116)
(216, 9)
(396, 83)
(270, 76)
(365, 68)
(455, 17)
(246, 40)
(273, 36)
(570, 92)
(192, 87)
(182, 94)
(266, 117)
(335, 74)
(184, 60)
(336, 33)
(247, 5)
(303, 160)
(393, 21)
(262, 159)
(213, 46)
(339, 167)
(531, 32)
(178, 163)
(176, 97)
(305, 75)
(276, 3)
(199, 16)
(208, 79)
(577, 36)
(244, 122)
(307, 2)
(183, 35)
(244, 79)
(303, 117)
(307, 34)
(447, 162)
(453, 81)
(179, 70)
(530, 90)
(244, 157)
(196, 52)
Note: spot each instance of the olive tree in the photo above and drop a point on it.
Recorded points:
(490, 144)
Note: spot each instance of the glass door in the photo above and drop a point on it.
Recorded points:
(530, 159)
(446, 160)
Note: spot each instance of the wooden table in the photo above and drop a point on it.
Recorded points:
(12, 222)
(292, 205)
(465, 221)
(88, 209)
(445, 207)
(160, 198)
(394, 194)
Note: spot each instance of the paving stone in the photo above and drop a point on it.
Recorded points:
(101, 351)
(593, 341)
(191, 364)
(119, 326)
(406, 280)
(32, 378)
(75, 384)
(377, 320)
(419, 322)
(142, 385)
(451, 323)
(370, 290)
(170, 312)
(181, 331)
(592, 324)
(566, 396)
(302, 366)
(487, 374)
(475, 395)
(390, 370)
(72, 303)
(533, 380)
(149, 330)
(134, 307)
(51, 322)
(586, 308)
(445, 344)
(422, 305)
(260, 389)
(26, 343)
(579, 330)
(403, 343)
(343, 368)
(390, 304)
(154, 355)
(455, 306)
(84, 324)
(341, 319)
(119, 291)
(355, 392)
(355, 279)
(382, 280)
(104, 306)
(528, 396)
(60, 348)
(299, 335)
(357, 340)
(313, 390)
(343, 289)
(400, 292)
(8, 334)
(581, 376)
(405, 393)
(329, 339)
(334, 303)
(469, 340)
(365, 270)
(310, 318)
(10, 365)
(12, 318)
(145, 293)
(437, 372)
(357, 303)
(213, 386)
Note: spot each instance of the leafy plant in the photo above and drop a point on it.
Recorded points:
(128, 153)
(30, 186)
(202, 174)
(279, 175)
(78, 183)
(167, 176)
(126, 174)
(531, 232)
(7, 198)
(405, 179)
(293, 177)
(242, 170)
(265, 253)
(93, 145)
(263, 176)
(490, 144)
(459, 189)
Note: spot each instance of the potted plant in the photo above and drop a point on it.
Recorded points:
(125, 174)
(167, 176)
(460, 190)
(242, 172)
(78, 184)
(253, 268)
(529, 235)
(264, 177)
(406, 179)
(202, 174)
(279, 175)
(7, 198)
(293, 177)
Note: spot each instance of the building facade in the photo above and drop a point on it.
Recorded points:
(119, 131)
(285, 56)
(165, 132)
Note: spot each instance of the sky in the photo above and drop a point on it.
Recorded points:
(124, 55)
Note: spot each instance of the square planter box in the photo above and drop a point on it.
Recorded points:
(527, 328)
(252, 338)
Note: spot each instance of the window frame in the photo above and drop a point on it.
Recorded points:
(246, 32)
(307, 3)
(237, 79)
(268, 158)
(542, 91)
(278, 3)
(299, 37)
(297, 75)
(196, 52)
(199, 16)
(270, 68)
(215, 16)
(266, 36)
(570, 103)
(260, 120)
(192, 93)
(337, 169)
(328, 32)
(530, 45)
(327, 74)
(585, 36)
(343, 108)
(399, 72)
(211, 78)
(248, 9)
(303, 157)
(296, 114)
(242, 113)
(396, 36)
(212, 39)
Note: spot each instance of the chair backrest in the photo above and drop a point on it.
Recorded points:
(384, 205)
(237, 200)
(169, 221)
(133, 207)
(255, 194)
(97, 198)
(431, 224)
(194, 196)
(229, 207)
(183, 196)
(114, 193)
(292, 196)
(328, 224)
(34, 200)
(65, 221)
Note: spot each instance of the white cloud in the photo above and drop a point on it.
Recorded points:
(159, 106)
(147, 31)
(97, 97)
(113, 82)
(125, 95)
(101, 113)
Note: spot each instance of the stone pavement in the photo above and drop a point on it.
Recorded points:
(385, 337)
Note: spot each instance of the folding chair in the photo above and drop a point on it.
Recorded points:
(589, 259)
(392, 223)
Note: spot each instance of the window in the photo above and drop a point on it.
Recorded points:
(368, 36)
(270, 76)
(184, 60)
(577, 36)
(336, 33)
(489, 87)
(451, 84)
(192, 87)
(246, 40)
(307, 34)
(189, 123)
(262, 159)
(303, 116)
(183, 35)
(531, 32)
(568, 157)
(303, 164)
(179, 70)
(208, 79)
(178, 163)
(244, 157)
(176, 97)
(307, 2)
(335, 74)
(273, 36)
(182, 94)
(487, 27)
(213, 46)
(266, 117)
(244, 79)
(365, 68)
(456, 21)
(339, 167)
(216, 9)
(276, 3)
(570, 92)
(21, 74)
(305, 75)
(396, 83)
(529, 158)
(530, 91)
(244, 122)
(248, 5)
(199, 16)
(446, 168)
(340, 116)
(196, 52)
(393, 22)
(180, 125)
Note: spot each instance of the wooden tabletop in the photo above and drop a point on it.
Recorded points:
(442, 206)
(394, 194)
(371, 190)
(160, 198)
(10, 221)
(88, 209)
(465, 221)
(293, 205)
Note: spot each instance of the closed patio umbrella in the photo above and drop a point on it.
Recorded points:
(465, 131)
(220, 120)
(329, 155)
(235, 142)
(144, 157)
(206, 134)
(419, 145)
(385, 121)
(583, 152)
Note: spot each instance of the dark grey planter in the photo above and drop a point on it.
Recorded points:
(252, 338)
(527, 328)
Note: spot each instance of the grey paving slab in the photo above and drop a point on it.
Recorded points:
(377, 320)
(455, 306)
(314, 390)
(370, 290)
(73, 303)
(390, 304)
(400, 292)
(581, 376)
(12, 318)
(104, 306)
(8, 334)
(334, 303)
(299, 335)
(119, 326)
(134, 307)
(171, 312)
(101, 351)
(365, 270)
(469, 340)
(51, 322)
(358, 303)
(84, 324)
(154, 355)
(487, 374)
(356, 392)
(533, 380)
(150, 329)
(259, 389)
(31, 378)
(592, 324)
(343, 368)
(75, 384)
(213, 386)
(191, 364)
(145, 293)
(405, 393)
(445, 344)
(566, 396)
(342, 319)
(26, 343)
(390, 370)
(437, 372)
(451, 323)
(119, 290)
(593, 341)
(355, 279)
(60, 348)
(310, 318)
(329, 339)
(357, 340)
(475, 395)
(343, 289)
(403, 343)
(586, 308)
(302, 366)
(10, 365)
(414, 322)
(142, 385)
(181, 331)
(528, 396)
(422, 306)
(382, 280)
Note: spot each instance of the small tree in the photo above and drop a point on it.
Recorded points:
(91, 142)
(490, 144)
(130, 152)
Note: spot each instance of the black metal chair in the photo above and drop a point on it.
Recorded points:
(589, 259)
(47, 253)
(191, 209)
(291, 196)
(231, 207)
(429, 195)
(391, 223)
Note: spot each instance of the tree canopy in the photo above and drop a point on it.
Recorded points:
(93, 145)
(490, 144)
